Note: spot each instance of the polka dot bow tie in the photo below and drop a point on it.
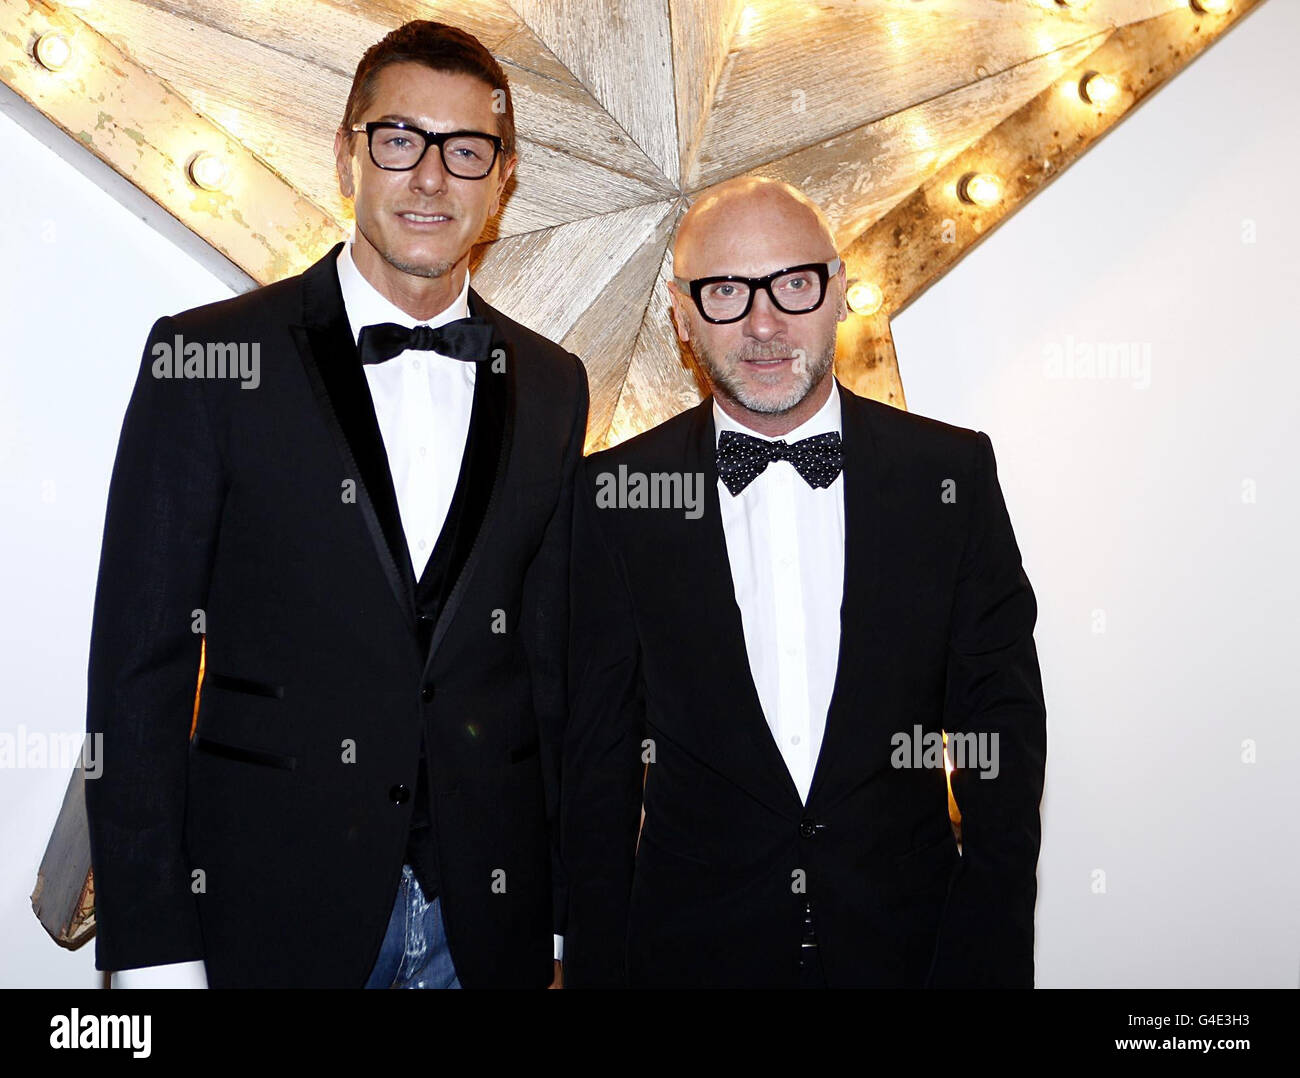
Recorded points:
(742, 458)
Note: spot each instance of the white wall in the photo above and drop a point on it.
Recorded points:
(1125, 500)
(81, 281)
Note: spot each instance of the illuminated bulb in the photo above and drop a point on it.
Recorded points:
(1211, 7)
(208, 171)
(53, 50)
(864, 297)
(1097, 89)
(979, 188)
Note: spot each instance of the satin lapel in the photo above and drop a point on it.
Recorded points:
(491, 431)
(846, 715)
(723, 625)
(329, 356)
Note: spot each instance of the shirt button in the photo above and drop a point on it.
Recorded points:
(415, 363)
(423, 451)
(423, 544)
(794, 740)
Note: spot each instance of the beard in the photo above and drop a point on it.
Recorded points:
(419, 269)
(725, 375)
(416, 269)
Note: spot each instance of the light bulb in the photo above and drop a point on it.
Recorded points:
(979, 188)
(1097, 89)
(53, 50)
(208, 171)
(863, 297)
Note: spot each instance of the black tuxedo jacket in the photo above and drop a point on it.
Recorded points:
(269, 842)
(936, 632)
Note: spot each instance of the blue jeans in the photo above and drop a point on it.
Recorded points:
(414, 953)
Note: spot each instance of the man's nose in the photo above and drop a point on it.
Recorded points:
(430, 176)
(765, 320)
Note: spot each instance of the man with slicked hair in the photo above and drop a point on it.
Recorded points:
(370, 547)
(768, 671)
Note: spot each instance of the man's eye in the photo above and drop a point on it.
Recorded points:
(398, 142)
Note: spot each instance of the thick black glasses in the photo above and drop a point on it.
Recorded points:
(399, 147)
(794, 290)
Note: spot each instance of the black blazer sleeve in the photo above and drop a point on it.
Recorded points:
(546, 606)
(160, 530)
(994, 687)
(602, 773)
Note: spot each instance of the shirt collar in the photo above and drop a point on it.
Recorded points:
(827, 418)
(367, 306)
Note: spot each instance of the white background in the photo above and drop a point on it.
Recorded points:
(1126, 499)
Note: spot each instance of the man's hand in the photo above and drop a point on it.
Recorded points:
(559, 975)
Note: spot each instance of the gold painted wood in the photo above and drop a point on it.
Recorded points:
(865, 359)
(136, 123)
(801, 71)
(858, 176)
(918, 241)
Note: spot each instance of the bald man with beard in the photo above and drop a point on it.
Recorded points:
(781, 599)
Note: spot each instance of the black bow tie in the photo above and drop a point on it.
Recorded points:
(469, 339)
(742, 458)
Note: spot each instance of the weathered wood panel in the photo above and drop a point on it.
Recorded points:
(919, 240)
(136, 123)
(622, 52)
(802, 71)
(858, 176)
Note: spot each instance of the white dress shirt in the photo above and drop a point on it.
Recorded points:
(785, 542)
(422, 401)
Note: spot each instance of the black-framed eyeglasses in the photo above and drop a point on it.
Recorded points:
(399, 147)
(794, 290)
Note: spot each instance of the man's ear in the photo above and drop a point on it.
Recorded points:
(681, 317)
(343, 162)
(842, 276)
(507, 170)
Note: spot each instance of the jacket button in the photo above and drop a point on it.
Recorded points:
(399, 794)
(807, 828)
(426, 694)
